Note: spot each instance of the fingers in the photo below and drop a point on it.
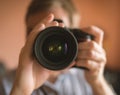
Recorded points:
(89, 64)
(96, 32)
(90, 45)
(29, 43)
(47, 22)
(91, 55)
(91, 61)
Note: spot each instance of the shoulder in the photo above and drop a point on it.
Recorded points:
(2, 92)
(6, 83)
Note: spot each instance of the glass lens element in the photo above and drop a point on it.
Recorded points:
(55, 48)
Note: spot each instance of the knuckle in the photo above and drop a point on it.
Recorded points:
(90, 54)
(95, 28)
(88, 62)
(92, 44)
(105, 60)
(92, 27)
(104, 57)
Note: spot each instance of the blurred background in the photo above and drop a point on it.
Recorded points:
(102, 13)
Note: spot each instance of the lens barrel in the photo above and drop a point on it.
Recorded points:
(55, 48)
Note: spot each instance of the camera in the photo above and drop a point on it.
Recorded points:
(55, 48)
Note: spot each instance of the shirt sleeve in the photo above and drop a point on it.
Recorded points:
(2, 90)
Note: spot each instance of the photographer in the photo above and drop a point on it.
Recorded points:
(32, 78)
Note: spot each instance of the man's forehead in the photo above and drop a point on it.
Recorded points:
(33, 20)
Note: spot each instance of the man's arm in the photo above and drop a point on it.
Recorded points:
(30, 75)
(102, 88)
(92, 56)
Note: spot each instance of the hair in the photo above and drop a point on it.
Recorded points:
(37, 6)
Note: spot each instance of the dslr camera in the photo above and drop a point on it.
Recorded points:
(55, 48)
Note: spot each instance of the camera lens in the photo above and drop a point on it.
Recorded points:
(55, 48)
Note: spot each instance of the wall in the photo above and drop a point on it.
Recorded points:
(103, 13)
(12, 30)
(106, 15)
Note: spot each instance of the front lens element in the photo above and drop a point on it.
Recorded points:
(55, 49)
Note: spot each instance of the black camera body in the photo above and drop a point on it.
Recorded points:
(55, 48)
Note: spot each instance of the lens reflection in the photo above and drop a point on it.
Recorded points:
(55, 49)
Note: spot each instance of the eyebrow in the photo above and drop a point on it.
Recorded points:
(58, 20)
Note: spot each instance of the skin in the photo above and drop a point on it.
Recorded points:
(31, 75)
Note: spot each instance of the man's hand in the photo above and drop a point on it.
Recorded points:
(30, 75)
(92, 56)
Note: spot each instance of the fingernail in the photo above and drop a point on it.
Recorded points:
(49, 16)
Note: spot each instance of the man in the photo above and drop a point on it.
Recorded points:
(32, 78)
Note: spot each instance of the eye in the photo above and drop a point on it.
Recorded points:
(58, 20)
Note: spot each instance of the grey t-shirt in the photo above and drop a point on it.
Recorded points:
(70, 83)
